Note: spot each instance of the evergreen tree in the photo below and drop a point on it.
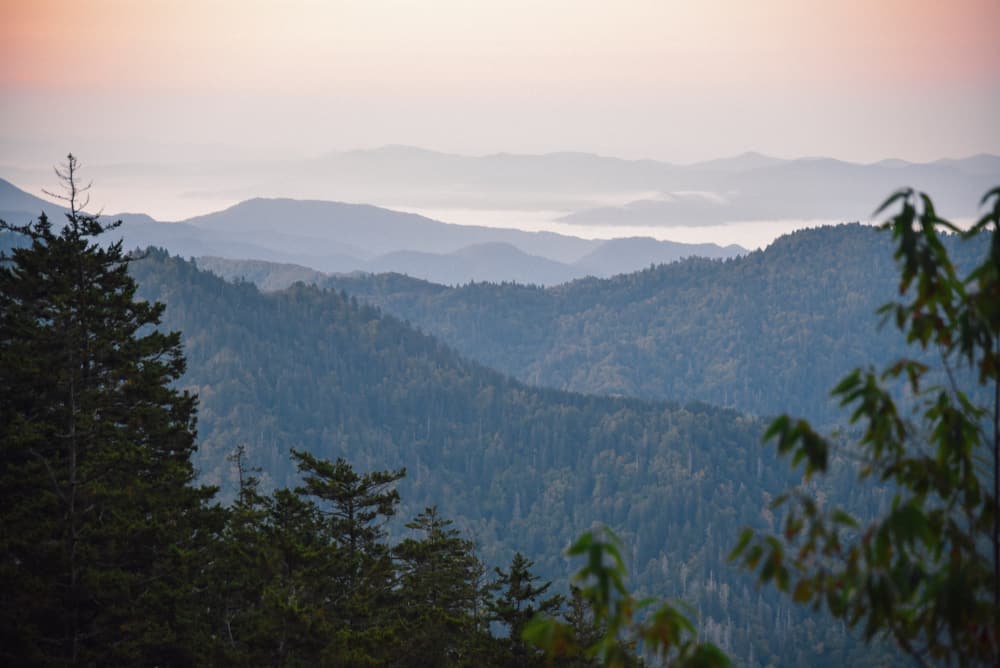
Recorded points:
(353, 508)
(518, 601)
(439, 574)
(101, 527)
(579, 617)
(354, 502)
(241, 571)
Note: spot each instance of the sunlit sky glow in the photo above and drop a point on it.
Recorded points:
(673, 80)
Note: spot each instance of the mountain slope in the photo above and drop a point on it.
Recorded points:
(495, 261)
(339, 237)
(622, 256)
(770, 331)
(370, 230)
(19, 207)
(517, 468)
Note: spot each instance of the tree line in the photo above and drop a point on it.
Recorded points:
(113, 553)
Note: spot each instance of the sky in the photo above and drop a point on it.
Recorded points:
(681, 81)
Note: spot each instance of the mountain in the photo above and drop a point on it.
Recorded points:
(622, 256)
(541, 180)
(490, 262)
(751, 186)
(494, 261)
(18, 207)
(366, 231)
(137, 230)
(980, 164)
(807, 189)
(517, 468)
(681, 209)
(892, 163)
(737, 163)
(766, 332)
(340, 237)
(268, 276)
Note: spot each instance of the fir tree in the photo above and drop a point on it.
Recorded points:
(101, 527)
(440, 595)
(518, 601)
(353, 509)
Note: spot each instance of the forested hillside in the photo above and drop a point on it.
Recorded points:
(765, 333)
(517, 468)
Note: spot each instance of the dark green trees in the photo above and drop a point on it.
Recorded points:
(356, 505)
(101, 524)
(519, 599)
(356, 565)
(441, 594)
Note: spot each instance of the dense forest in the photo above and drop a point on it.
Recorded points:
(765, 333)
(113, 553)
(303, 389)
(517, 468)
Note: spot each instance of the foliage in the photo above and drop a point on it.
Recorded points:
(111, 555)
(926, 574)
(443, 596)
(518, 601)
(664, 633)
(516, 468)
(102, 527)
(314, 564)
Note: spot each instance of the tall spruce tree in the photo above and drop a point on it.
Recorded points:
(101, 525)
(441, 596)
(354, 508)
(517, 602)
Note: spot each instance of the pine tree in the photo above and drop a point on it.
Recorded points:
(440, 595)
(242, 568)
(355, 503)
(518, 601)
(101, 526)
(353, 508)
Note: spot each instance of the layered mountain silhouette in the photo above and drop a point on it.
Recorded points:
(340, 237)
(516, 467)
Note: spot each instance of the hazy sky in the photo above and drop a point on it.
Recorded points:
(675, 80)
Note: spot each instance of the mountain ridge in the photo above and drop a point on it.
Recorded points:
(516, 467)
(344, 237)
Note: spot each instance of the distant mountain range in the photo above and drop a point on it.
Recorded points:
(750, 186)
(584, 188)
(755, 187)
(340, 238)
(576, 189)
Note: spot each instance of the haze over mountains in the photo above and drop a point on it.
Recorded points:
(527, 413)
(583, 194)
(564, 191)
(542, 269)
(338, 237)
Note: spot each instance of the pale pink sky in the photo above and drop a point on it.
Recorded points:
(674, 80)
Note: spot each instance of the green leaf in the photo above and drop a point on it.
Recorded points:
(745, 537)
